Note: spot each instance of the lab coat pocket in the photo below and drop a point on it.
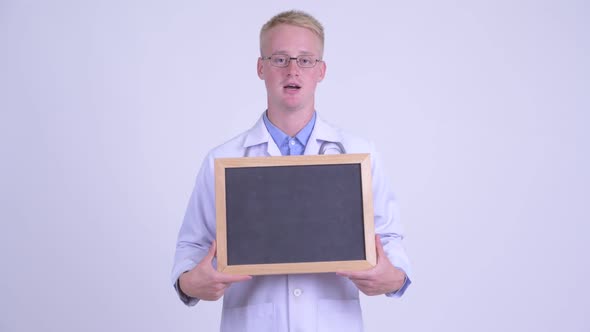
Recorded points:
(251, 318)
(340, 316)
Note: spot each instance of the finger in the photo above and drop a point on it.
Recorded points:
(230, 278)
(362, 279)
(364, 284)
(211, 252)
(345, 274)
(379, 246)
(361, 275)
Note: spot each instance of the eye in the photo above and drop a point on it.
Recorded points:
(305, 60)
(279, 59)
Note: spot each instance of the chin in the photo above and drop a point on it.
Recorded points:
(294, 103)
(291, 107)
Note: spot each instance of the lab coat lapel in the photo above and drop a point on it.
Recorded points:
(322, 131)
(259, 135)
(272, 149)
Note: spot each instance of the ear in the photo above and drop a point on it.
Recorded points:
(259, 69)
(322, 69)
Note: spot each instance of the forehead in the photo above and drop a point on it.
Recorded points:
(290, 38)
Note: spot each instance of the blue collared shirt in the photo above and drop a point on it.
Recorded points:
(290, 146)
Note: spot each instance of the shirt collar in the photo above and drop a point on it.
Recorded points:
(322, 131)
(279, 136)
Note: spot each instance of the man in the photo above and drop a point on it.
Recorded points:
(291, 65)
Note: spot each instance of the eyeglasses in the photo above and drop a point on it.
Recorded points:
(283, 60)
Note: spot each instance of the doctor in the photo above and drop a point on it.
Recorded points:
(291, 65)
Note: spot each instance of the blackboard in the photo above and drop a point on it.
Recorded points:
(295, 214)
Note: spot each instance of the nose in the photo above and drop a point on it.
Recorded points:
(293, 68)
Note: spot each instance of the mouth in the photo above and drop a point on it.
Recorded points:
(292, 87)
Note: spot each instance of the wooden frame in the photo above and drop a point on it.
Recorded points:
(363, 160)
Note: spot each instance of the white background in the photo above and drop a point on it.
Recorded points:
(480, 109)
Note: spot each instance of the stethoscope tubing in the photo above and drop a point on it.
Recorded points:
(322, 150)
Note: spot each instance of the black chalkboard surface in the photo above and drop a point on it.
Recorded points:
(295, 214)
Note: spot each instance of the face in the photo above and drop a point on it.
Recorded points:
(290, 88)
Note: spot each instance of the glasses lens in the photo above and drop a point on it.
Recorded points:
(305, 61)
(279, 60)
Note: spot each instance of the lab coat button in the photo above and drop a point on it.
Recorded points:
(297, 292)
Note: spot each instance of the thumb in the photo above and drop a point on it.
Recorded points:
(379, 246)
(212, 252)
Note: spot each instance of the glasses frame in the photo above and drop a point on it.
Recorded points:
(289, 58)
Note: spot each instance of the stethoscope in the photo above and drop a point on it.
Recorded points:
(325, 146)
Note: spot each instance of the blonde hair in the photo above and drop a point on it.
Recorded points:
(296, 18)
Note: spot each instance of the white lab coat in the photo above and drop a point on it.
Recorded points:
(281, 303)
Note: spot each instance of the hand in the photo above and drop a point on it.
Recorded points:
(204, 282)
(381, 279)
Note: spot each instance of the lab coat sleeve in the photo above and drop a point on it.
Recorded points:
(198, 228)
(387, 221)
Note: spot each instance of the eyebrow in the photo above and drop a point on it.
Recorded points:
(287, 53)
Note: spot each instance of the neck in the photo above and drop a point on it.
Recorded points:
(290, 122)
